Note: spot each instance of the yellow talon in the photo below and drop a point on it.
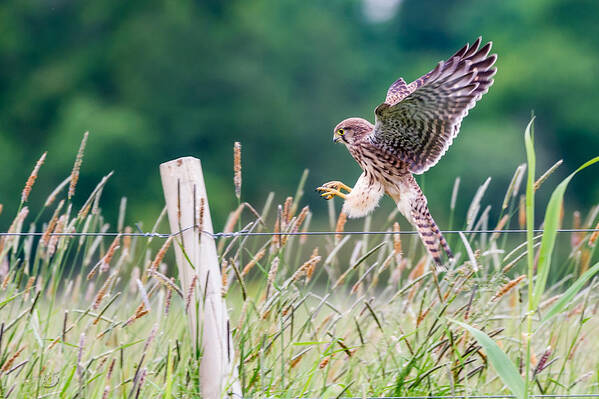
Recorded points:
(332, 189)
(337, 185)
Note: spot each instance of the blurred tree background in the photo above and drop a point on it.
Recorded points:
(155, 80)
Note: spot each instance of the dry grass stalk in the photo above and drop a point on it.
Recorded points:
(514, 186)
(423, 315)
(585, 260)
(168, 298)
(248, 267)
(1, 207)
(547, 302)
(454, 193)
(295, 360)
(15, 227)
(224, 277)
(5, 281)
(307, 268)
(276, 238)
(127, 239)
(237, 168)
(80, 355)
(522, 212)
(545, 175)
(324, 362)
(201, 215)
(419, 269)
(576, 311)
(30, 282)
(233, 218)
(52, 197)
(139, 312)
(51, 225)
(542, 362)
(300, 219)
(7, 365)
(304, 237)
(160, 255)
(313, 261)
(105, 262)
(272, 275)
(514, 298)
(341, 220)
(507, 287)
(287, 212)
(396, 239)
(500, 225)
(77, 166)
(594, 236)
(167, 282)
(110, 369)
(103, 291)
(576, 345)
(55, 235)
(32, 177)
(190, 291)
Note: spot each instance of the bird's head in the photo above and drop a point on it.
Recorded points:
(351, 130)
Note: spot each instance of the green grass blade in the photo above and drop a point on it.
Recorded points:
(530, 199)
(552, 215)
(567, 297)
(502, 364)
(169, 375)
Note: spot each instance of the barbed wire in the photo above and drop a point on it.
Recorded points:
(243, 233)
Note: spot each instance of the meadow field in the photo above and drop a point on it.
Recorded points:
(91, 310)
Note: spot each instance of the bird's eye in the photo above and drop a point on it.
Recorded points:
(340, 132)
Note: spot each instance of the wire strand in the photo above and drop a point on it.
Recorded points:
(244, 233)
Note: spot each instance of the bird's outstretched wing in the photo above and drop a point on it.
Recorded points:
(418, 121)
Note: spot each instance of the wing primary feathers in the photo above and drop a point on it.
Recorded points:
(420, 120)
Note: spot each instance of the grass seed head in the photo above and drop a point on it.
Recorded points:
(300, 219)
(522, 212)
(250, 265)
(168, 298)
(8, 364)
(237, 168)
(507, 287)
(396, 239)
(32, 177)
(160, 255)
(190, 291)
(77, 166)
(105, 262)
(341, 220)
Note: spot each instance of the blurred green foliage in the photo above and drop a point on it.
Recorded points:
(155, 80)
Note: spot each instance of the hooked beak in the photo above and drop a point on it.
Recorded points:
(336, 139)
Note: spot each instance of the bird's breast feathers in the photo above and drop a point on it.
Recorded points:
(364, 197)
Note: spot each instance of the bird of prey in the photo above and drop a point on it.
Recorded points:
(413, 129)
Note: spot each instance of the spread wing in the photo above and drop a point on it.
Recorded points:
(418, 122)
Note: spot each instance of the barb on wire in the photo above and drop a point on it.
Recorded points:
(243, 233)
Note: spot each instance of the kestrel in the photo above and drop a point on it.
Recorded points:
(413, 129)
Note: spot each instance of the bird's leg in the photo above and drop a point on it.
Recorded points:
(332, 189)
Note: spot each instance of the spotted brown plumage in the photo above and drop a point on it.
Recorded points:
(413, 128)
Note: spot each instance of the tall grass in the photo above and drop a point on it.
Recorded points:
(104, 317)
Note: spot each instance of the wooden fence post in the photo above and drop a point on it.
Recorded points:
(185, 194)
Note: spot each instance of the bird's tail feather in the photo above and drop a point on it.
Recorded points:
(428, 230)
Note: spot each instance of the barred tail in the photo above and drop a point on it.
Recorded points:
(428, 230)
